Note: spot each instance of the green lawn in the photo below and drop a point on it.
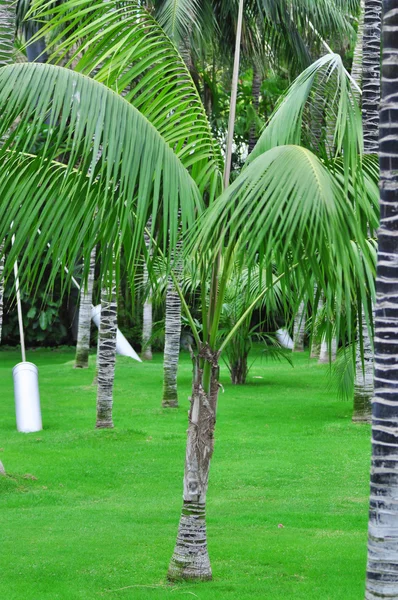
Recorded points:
(93, 514)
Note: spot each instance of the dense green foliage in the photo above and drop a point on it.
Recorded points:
(92, 514)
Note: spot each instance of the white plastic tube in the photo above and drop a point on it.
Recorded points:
(27, 398)
(122, 346)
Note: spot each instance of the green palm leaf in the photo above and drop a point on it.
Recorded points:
(288, 208)
(118, 169)
(122, 46)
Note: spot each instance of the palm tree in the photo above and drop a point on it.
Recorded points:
(363, 388)
(83, 334)
(106, 356)
(286, 206)
(299, 329)
(382, 567)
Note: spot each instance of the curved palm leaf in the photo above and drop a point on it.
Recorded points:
(118, 169)
(178, 18)
(122, 46)
(288, 208)
(323, 88)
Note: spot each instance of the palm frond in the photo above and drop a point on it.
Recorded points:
(122, 46)
(178, 18)
(118, 171)
(287, 208)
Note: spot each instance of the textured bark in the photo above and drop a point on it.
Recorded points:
(106, 358)
(239, 370)
(191, 559)
(7, 31)
(299, 329)
(370, 120)
(364, 380)
(83, 334)
(371, 75)
(356, 71)
(382, 568)
(147, 314)
(171, 348)
(256, 102)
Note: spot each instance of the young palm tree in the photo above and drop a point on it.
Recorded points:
(382, 568)
(286, 206)
(147, 309)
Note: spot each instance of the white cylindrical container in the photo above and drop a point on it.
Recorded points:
(27, 398)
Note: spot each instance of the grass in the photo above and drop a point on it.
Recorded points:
(89, 514)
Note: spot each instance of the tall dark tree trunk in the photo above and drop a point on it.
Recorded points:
(256, 89)
(106, 357)
(382, 568)
(363, 390)
(7, 35)
(191, 559)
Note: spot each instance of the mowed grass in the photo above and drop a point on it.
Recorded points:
(89, 514)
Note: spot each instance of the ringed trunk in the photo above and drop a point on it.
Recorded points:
(106, 358)
(382, 566)
(171, 348)
(190, 559)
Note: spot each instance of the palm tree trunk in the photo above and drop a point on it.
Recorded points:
(382, 568)
(299, 329)
(239, 370)
(356, 71)
(147, 312)
(106, 357)
(7, 35)
(364, 381)
(256, 102)
(171, 347)
(191, 559)
(2, 469)
(83, 334)
(324, 352)
(363, 390)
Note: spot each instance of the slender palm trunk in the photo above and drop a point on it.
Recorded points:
(239, 370)
(106, 357)
(299, 329)
(382, 568)
(2, 469)
(191, 559)
(7, 35)
(256, 102)
(324, 356)
(147, 313)
(316, 342)
(83, 334)
(356, 71)
(171, 347)
(363, 390)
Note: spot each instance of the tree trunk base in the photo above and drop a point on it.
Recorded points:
(362, 418)
(146, 355)
(190, 560)
(104, 425)
(170, 403)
